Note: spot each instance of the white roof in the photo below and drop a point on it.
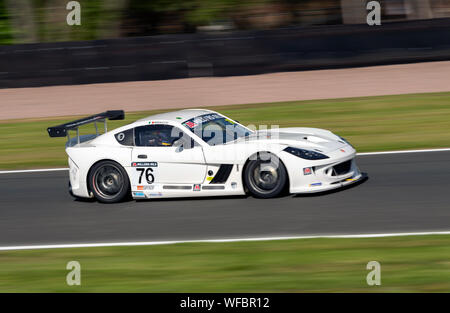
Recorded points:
(176, 116)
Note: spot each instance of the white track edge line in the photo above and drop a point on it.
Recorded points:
(155, 243)
(34, 171)
(403, 151)
(359, 154)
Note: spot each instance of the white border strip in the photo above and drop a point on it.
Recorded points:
(156, 243)
(34, 171)
(359, 154)
(403, 151)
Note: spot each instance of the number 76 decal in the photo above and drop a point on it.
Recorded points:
(148, 175)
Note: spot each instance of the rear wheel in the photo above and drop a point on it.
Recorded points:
(266, 176)
(109, 182)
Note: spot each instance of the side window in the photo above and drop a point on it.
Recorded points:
(156, 135)
(125, 138)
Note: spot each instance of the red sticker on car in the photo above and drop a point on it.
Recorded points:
(190, 124)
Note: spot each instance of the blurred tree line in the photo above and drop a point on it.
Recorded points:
(25, 21)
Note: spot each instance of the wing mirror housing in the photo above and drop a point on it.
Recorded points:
(183, 143)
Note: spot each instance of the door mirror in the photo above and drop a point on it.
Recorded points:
(178, 144)
(184, 142)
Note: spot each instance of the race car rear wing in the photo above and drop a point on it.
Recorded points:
(63, 129)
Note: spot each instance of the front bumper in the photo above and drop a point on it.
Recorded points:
(328, 174)
(326, 187)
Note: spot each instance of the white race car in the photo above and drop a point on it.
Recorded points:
(192, 153)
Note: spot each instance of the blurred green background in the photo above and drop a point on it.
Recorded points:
(27, 21)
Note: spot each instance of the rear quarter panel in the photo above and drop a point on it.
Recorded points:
(84, 157)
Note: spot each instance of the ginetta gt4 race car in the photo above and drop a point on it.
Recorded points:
(192, 153)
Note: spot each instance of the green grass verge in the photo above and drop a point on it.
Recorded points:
(370, 123)
(408, 264)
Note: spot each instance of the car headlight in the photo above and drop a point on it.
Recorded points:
(306, 154)
(345, 140)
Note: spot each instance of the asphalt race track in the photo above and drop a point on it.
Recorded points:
(404, 193)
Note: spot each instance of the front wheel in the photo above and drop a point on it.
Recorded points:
(266, 176)
(109, 182)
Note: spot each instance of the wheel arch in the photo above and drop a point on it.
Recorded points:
(255, 154)
(99, 161)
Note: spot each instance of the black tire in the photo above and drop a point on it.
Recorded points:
(109, 182)
(265, 182)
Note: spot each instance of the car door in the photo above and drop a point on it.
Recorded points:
(158, 161)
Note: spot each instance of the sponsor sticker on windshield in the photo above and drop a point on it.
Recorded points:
(190, 124)
(202, 119)
(207, 117)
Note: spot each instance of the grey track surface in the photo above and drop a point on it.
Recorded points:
(404, 193)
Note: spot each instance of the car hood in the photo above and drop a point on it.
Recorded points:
(316, 139)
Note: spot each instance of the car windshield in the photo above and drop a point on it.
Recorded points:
(216, 129)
